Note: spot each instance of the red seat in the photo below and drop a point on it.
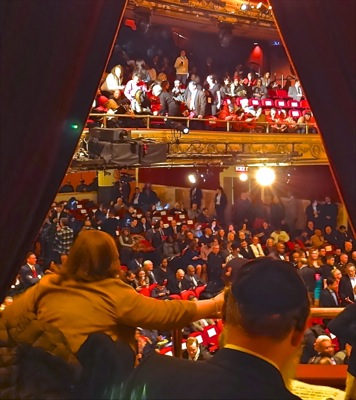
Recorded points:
(185, 295)
(175, 297)
(293, 103)
(281, 93)
(198, 290)
(295, 113)
(254, 102)
(199, 337)
(267, 103)
(151, 287)
(145, 291)
(281, 103)
(242, 102)
(304, 104)
(211, 335)
(167, 351)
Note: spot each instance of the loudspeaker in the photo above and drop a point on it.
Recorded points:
(116, 153)
(113, 135)
(151, 153)
(121, 153)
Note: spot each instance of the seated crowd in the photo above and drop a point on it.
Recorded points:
(187, 254)
(247, 101)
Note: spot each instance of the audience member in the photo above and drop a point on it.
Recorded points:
(160, 291)
(63, 240)
(329, 296)
(31, 272)
(325, 352)
(256, 247)
(347, 286)
(182, 67)
(262, 338)
(195, 351)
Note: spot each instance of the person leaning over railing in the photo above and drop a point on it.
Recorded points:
(87, 296)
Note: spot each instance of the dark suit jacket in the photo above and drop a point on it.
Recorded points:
(344, 327)
(169, 231)
(199, 103)
(172, 285)
(247, 253)
(229, 374)
(26, 275)
(326, 299)
(191, 283)
(345, 290)
(196, 197)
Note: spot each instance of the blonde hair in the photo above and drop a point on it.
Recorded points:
(93, 257)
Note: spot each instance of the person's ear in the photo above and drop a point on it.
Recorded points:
(297, 337)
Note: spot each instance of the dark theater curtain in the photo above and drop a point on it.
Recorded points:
(53, 53)
(319, 36)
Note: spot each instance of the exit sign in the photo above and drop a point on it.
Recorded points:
(241, 169)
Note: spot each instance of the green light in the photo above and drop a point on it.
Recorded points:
(74, 126)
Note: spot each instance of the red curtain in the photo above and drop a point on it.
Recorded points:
(53, 54)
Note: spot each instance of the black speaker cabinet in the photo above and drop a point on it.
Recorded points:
(113, 135)
(152, 153)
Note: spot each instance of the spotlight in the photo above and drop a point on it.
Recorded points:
(124, 135)
(245, 7)
(262, 8)
(225, 33)
(143, 18)
(243, 177)
(192, 178)
(265, 176)
(177, 126)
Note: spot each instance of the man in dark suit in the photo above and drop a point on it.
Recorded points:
(193, 278)
(246, 251)
(308, 275)
(58, 213)
(329, 295)
(30, 273)
(173, 229)
(177, 284)
(196, 196)
(262, 338)
(196, 103)
(136, 198)
(347, 285)
(194, 351)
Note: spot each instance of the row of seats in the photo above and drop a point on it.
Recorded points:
(270, 103)
(208, 338)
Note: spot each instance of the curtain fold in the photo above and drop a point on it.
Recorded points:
(53, 54)
(320, 37)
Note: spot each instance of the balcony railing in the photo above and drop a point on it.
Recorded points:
(150, 121)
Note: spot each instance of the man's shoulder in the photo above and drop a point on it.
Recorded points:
(229, 374)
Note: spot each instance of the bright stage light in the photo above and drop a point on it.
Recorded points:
(265, 176)
(243, 177)
(192, 178)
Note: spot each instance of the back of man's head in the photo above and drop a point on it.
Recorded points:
(267, 298)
